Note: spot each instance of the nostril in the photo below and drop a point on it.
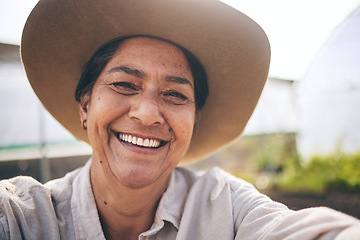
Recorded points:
(148, 113)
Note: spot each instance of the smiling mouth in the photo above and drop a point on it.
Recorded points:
(147, 143)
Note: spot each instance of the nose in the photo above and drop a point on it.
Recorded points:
(146, 109)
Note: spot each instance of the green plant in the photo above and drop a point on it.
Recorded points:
(321, 173)
(274, 151)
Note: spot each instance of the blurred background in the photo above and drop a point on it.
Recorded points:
(302, 144)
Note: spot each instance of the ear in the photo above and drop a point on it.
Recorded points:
(84, 107)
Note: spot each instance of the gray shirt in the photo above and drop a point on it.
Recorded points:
(213, 205)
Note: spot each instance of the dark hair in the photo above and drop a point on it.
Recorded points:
(104, 54)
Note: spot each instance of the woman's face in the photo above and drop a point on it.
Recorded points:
(141, 112)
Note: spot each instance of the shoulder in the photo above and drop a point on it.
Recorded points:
(20, 201)
(22, 189)
(221, 187)
(215, 181)
(22, 193)
(31, 209)
(217, 203)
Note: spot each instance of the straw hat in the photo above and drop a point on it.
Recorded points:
(60, 36)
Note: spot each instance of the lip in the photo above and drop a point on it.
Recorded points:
(151, 145)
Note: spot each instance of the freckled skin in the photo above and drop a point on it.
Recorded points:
(145, 113)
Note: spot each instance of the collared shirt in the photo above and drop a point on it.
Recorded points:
(213, 205)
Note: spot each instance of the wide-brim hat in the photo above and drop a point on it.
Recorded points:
(60, 36)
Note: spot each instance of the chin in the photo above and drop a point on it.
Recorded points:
(138, 177)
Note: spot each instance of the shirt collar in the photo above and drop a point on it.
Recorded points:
(86, 219)
(85, 215)
(172, 202)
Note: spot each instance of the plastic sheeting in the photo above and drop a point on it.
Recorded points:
(27, 130)
(329, 95)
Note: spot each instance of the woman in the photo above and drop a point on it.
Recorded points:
(164, 82)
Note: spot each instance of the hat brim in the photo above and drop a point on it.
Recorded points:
(61, 36)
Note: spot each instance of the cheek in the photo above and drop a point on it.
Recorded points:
(184, 125)
(106, 106)
(183, 131)
(103, 110)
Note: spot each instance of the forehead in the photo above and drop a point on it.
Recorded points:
(151, 52)
(149, 43)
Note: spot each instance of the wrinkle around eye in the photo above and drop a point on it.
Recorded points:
(175, 98)
(125, 88)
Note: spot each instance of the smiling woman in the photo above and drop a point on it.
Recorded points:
(136, 95)
(164, 82)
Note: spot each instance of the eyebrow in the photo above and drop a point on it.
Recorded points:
(127, 70)
(178, 80)
(141, 74)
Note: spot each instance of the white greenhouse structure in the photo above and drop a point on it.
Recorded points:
(328, 98)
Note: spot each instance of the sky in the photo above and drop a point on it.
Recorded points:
(296, 28)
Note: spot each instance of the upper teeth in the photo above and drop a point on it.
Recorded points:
(139, 141)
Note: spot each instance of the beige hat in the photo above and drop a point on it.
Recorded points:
(60, 36)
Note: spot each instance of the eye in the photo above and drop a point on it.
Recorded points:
(174, 97)
(125, 88)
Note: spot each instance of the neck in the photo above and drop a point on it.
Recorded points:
(124, 212)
